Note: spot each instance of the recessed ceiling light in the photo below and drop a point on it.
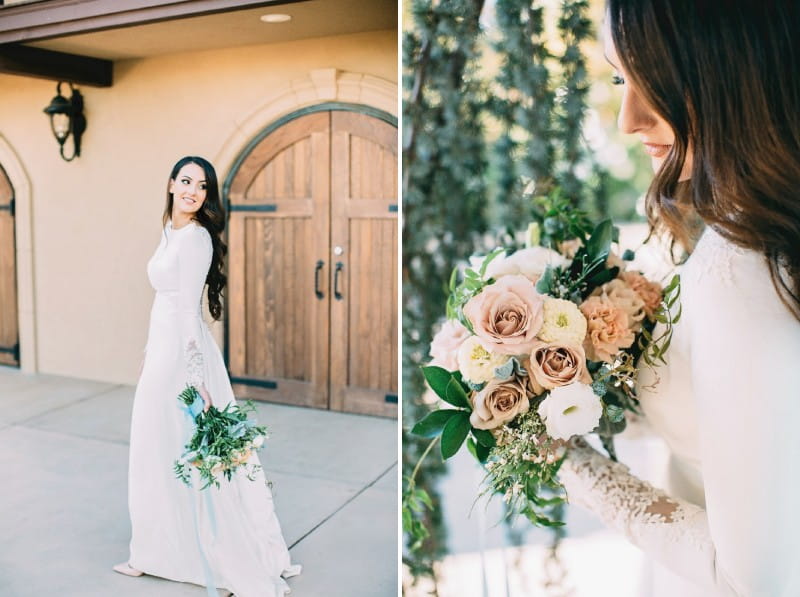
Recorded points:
(276, 18)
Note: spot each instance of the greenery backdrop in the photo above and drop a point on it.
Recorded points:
(503, 102)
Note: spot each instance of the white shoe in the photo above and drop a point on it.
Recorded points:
(125, 568)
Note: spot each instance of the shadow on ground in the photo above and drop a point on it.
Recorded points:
(64, 518)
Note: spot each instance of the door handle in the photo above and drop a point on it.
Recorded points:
(339, 267)
(317, 291)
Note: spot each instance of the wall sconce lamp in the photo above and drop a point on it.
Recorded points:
(66, 118)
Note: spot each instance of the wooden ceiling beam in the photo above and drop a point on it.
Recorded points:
(34, 21)
(58, 66)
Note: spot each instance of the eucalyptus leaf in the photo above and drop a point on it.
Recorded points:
(615, 413)
(505, 371)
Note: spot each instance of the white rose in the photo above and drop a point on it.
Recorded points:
(258, 442)
(530, 263)
(570, 410)
(476, 363)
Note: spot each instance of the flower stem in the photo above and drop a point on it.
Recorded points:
(421, 458)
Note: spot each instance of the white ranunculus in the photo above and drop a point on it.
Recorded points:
(476, 363)
(570, 410)
(530, 263)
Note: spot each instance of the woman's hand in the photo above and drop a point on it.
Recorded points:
(206, 398)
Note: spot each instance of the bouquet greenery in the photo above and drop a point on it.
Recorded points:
(223, 441)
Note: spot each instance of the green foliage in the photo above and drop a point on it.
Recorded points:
(221, 443)
(444, 199)
(540, 102)
(559, 220)
(525, 477)
(471, 285)
(654, 348)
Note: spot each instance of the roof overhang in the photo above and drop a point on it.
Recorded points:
(78, 40)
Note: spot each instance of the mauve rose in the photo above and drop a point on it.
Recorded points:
(445, 344)
(534, 388)
(507, 315)
(650, 292)
(553, 365)
(626, 298)
(608, 331)
(498, 403)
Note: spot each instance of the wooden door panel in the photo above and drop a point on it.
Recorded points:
(364, 224)
(9, 331)
(278, 328)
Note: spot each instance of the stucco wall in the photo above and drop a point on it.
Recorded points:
(96, 221)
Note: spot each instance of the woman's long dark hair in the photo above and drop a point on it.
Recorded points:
(210, 216)
(726, 77)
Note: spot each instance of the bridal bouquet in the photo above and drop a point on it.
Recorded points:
(540, 345)
(222, 442)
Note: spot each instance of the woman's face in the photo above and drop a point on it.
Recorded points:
(636, 116)
(188, 189)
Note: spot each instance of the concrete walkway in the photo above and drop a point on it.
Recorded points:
(63, 505)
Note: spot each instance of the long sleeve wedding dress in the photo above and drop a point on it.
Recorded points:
(728, 405)
(229, 536)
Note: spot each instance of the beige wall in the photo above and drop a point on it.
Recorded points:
(96, 221)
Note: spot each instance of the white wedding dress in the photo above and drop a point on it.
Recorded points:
(227, 537)
(728, 406)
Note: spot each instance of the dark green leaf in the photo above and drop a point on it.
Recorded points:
(484, 437)
(433, 423)
(454, 434)
(437, 379)
(599, 243)
(455, 394)
(481, 453)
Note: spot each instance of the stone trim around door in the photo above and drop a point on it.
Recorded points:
(26, 295)
(320, 86)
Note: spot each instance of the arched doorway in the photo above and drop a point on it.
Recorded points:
(312, 305)
(9, 323)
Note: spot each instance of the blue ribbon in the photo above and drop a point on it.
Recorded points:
(191, 411)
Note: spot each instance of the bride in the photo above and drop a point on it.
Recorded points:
(712, 89)
(228, 537)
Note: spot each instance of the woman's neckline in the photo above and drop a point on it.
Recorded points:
(191, 224)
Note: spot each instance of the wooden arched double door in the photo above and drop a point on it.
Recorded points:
(9, 326)
(312, 306)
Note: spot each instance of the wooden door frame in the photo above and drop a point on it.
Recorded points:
(23, 234)
(14, 349)
(253, 143)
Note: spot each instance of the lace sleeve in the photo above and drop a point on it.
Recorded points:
(672, 531)
(194, 259)
(746, 388)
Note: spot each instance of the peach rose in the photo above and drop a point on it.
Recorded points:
(608, 329)
(554, 365)
(445, 344)
(507, 315)
(498, 403)
(626, 298)
(650, 292)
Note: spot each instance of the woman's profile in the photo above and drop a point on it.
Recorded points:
(712, 90)
(228, 537)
